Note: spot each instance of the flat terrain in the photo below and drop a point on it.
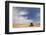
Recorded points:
(25, 25)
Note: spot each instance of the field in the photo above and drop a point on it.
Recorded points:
(25, 25)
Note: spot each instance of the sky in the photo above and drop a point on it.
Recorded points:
(26, 14)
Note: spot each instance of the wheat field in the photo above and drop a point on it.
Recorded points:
(25, 25)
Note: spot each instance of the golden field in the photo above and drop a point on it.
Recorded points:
(25, 25)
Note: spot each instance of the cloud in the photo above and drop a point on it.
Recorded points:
(22, 19)
(23, 13)
(29, 20)
(18, 18)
